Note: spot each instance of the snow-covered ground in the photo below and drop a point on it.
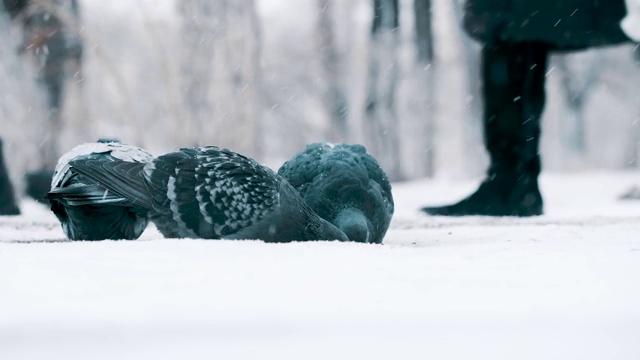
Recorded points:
(562, 286)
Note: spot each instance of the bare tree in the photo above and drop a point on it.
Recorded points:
(334, 94)
(221, 73)
(381, 120)
(578, 76)
(424, 30)
(635, 125)
(636, 143)
(55, 48)
(240, 92)
(421, 160)
(473, 99)
(200, 22)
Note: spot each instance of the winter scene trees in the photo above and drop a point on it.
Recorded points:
(389, 74)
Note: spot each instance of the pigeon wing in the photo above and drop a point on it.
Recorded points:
(210, 192)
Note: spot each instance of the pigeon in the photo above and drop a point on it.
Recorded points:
(212, 193)
(8, 204)
(85, 208)
(345, 186)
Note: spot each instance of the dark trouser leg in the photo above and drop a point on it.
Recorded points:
(514, 97)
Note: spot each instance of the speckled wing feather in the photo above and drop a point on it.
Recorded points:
(209, 192)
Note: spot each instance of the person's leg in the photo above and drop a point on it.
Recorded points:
(514, 97)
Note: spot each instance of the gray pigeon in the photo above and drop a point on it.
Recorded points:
(345, 186)
(212, 193)
(86, 209)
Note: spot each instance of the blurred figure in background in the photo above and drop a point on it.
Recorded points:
(50, 39)
(631, 27)
(8, 205)
(517, 37)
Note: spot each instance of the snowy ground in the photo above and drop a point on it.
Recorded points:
(562, 286)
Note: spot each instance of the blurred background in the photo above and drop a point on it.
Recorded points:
(266, 77)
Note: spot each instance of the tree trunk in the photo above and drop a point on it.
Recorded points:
(200, 22)
(240, 92)
(578, 75)
(636, 123)
(51, 40)
(381, 123)
(475, 161)
(420, 155)
(636, 144)
(334, 97)
(221, 73)
(424, 31)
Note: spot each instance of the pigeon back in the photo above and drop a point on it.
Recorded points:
(212, 193)
(341, 181)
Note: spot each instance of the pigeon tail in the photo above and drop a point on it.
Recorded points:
(92, 212)
(123, 178)
(96, 191)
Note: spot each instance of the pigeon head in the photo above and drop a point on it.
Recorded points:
(354, 224)
(344, 185)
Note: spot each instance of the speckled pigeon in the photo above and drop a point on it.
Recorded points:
(213, 193)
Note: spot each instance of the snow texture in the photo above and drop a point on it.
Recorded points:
(560, 286)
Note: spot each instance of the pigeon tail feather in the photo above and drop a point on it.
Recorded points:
(123, 178)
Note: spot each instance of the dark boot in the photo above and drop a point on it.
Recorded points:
(514, 97)
(8, 205)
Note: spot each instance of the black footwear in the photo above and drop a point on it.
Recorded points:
(500, 195)
(8, 205)
(514, 97)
